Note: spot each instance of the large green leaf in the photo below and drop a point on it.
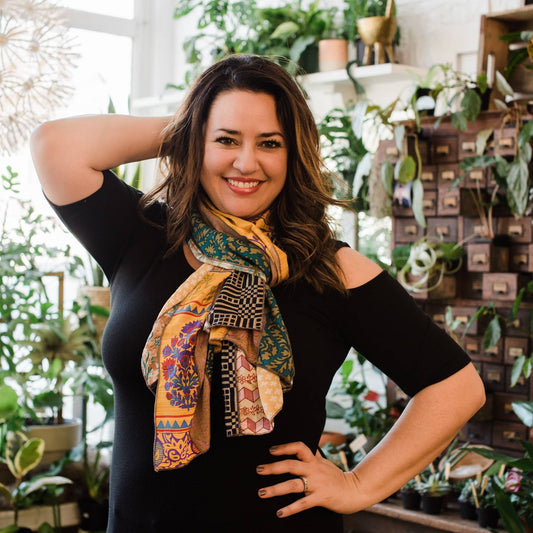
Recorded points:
(518, 186)
(8, 402)
(399, 137)
(285, 30)
(387, 176)
(516, 371)
(471, 104)
(29, 456)
(417, 194)
(492, 334)
(503, 85)
(400, 255)
(524, 411)
(405, 169)
(41, 482)
(508, 514)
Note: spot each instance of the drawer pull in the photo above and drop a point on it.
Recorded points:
(442, 149)
(506, 142)
(447, 175)
(516, 229)
(468, 146)
(410, 230)
(472, 347)
(442, 230)
(450, 202)
(462, 319)
(479, 259)
(509, 435)
(476, 175)
(494, 376)
(515, 351)
(477, 285)
(508, 407)
(439, 319)
(478, 230)
(500, 287)
(427, 204)
(427, 176)
(520, 259)
(516, 324)
(493, 350)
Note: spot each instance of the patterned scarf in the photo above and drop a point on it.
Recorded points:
(224, 309)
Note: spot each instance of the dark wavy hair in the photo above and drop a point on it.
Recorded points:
(298, 215)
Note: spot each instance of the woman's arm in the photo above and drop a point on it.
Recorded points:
(431, 420)
(69, 154)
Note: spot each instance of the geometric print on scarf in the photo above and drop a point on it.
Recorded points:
(240, 303)
(228, 355)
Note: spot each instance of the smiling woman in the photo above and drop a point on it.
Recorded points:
(245, 159)
(221, 363)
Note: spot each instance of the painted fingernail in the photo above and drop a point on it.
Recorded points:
(262, 492)
(273, 448)
(260, 468)
(279, 513)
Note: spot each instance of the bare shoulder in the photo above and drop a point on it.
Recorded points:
(356, 268)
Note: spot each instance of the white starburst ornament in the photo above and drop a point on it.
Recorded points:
(37, 59)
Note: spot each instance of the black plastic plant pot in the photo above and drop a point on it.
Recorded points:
(467, 511)
(410, 499)
(487, 517)
(432, 504)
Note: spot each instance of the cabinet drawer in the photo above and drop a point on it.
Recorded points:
(475, 178)
(503, 406)
(387, 151)
(501, 286)
(493, 377)
(471, 285)
(445, 290)
(474, 348)
(519, 231)
(472, 229)
(429, 203)
(407, 230)
(478, 432)
(447, 174)
(429, 176)
(455, 202)
(444, 149)
(505, 435)
(444, 228)
(514, 347)
(521, 258)
(467, 145)
(485, 257)
(505, 141)
(519, 327)
(463, 315)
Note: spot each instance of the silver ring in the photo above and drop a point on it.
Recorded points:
(306, 486)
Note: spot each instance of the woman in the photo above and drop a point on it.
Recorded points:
(233, 304)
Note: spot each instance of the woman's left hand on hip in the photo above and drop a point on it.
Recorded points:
(319, 480)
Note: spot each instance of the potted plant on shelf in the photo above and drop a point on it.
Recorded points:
(410, 494)
(485, 501)
(432, 490)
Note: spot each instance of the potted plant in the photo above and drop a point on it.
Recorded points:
(485, 501)
(422, 265)
(410, 494)
(467, 507)
(432, 490)
(347, 156)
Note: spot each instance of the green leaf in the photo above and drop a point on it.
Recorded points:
(405, 169)
(29, 456)
(299, 45)
(45, 527)
(475, 316)
(400, 255)
(525, 133)
(516, 304)
(508, 514)
(471, 104)
(285, 30)
(518, 186)
(481, 140)
(451, 251)
(524, 411)
(5, 492)
(41, 482)
(502, 85)
(459, 120)
(492, 334)
(516, 370)
(8, 402)
(387, 176)
(399, 137)
(417, 193)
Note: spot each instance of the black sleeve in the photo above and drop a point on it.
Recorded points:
(105, 221)
(386, 325)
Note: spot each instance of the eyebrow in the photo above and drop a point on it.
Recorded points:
(262, 135)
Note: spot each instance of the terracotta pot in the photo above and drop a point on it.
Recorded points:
(332, 54)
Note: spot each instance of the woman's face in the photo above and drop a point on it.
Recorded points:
(245, 159)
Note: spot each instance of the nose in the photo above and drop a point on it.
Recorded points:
(246, 160)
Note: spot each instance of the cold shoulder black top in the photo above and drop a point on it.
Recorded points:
(218, 491)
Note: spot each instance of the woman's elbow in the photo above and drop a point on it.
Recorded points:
(475, 391)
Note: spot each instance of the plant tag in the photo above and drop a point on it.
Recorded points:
(358, 443)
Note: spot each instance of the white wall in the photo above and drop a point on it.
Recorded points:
(444, 31)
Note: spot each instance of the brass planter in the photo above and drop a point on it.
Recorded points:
(378, 32)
